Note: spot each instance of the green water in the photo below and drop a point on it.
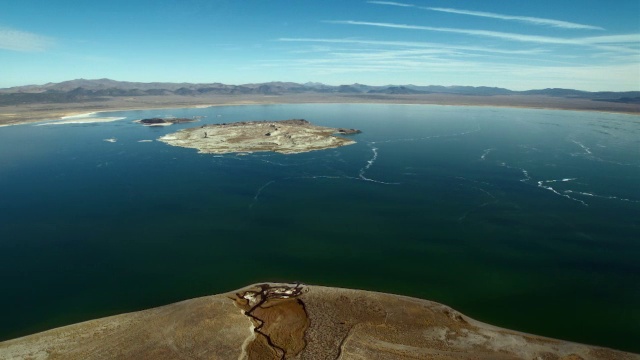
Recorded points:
(526, 219)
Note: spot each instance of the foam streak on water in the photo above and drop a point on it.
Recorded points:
(485, 153)
(525, 173)
(600, 196)
(474, 181)
(255, 198)
(588, 154)
(369, 164)
(542, 183)
(495, 200)
(586, 149)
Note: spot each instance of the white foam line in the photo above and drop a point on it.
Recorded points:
(586, 149)
(612, 162)
(600, 196)
(542, 182)
(485, 153)
(369, 164)
(342, 177)
(276, 163)
(378, 182)
(255, 198)
(484, 191)
(529, 148)
(464, 216)
(286, 165)
(560, 180)
(475, 181)
(526, 178)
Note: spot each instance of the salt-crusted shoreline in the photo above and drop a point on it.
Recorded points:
(31, 113)
(82, 120)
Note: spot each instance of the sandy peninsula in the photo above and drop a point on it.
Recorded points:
(294, 321)
(285, 137)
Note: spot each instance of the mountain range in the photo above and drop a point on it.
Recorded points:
(80, 90)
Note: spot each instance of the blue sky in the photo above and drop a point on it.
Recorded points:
(516, 44)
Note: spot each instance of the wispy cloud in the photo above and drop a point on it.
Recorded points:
(613, 39)
(485, 33)
(413, 44)
(392, 3)
(16, 40)
(516, 76)
(588, 41)
(525, 19)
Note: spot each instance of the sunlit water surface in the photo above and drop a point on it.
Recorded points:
(526, 219)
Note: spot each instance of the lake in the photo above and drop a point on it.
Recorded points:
(525, 219)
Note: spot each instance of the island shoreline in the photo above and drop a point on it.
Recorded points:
(303, 321)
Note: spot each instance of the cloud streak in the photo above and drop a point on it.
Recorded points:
(485, 33)
(589, 41)
(392, 3)
(413, 44)
(16, 40)
(524, 19)
(515, 76)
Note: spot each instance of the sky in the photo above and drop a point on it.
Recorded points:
(589, 45)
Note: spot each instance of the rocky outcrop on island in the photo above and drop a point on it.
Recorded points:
(296, 321)
(342, 131)
(285, 137)
(165, 121)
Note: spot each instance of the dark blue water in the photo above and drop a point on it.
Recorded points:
(526, 219)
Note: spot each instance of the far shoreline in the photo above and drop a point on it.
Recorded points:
(33, 113)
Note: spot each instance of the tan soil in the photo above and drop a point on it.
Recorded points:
(294, 321)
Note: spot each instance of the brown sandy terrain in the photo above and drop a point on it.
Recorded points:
(16, 114)
(285, 137)
(294, 321)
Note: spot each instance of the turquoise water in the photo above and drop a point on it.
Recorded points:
(526, 219)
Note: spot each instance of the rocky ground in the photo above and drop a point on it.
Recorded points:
(285, 137)
(295, 321)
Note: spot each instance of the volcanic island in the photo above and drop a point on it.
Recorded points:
(284, 136)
